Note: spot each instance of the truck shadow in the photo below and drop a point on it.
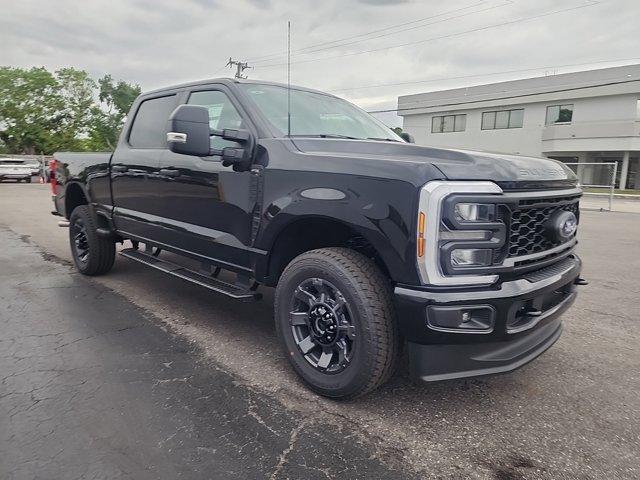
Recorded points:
(403, 419)
(242, 336)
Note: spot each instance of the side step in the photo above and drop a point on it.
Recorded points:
(211, 283)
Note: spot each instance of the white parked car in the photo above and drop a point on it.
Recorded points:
(16, 169)
(35, 165)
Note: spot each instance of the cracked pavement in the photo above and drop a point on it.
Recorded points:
(93, 387)
(138, 375)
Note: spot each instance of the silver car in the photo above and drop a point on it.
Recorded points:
(16, 169)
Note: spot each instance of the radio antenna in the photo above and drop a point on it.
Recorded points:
(289, 78)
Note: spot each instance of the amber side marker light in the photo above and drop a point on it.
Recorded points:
(421, 220)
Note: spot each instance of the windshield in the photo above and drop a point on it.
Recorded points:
(316, 114)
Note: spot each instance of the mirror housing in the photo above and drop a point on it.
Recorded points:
(190, 134)
(189, 131)
(407, 137)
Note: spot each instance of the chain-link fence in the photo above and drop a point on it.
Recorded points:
(599, 180)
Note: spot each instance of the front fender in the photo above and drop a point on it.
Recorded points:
(380, 210)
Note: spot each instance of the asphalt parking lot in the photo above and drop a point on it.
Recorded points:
(137, 375)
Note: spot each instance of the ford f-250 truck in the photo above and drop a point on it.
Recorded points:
(467, 259)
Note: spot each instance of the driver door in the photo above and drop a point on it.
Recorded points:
(208, 207)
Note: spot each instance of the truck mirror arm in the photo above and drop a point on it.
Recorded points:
(240, 136)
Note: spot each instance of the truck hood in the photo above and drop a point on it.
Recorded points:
(509, 171)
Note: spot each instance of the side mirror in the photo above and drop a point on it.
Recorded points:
(407, 137)
(190, 134)
(189, 131)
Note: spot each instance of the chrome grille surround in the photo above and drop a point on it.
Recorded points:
(523, 214)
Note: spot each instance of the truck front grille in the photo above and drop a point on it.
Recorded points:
(527, 223)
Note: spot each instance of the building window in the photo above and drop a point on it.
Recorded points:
(502, 119)
(448, 123)
(559, 114)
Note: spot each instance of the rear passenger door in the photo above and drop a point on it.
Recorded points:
(208, 206)
(135, 180)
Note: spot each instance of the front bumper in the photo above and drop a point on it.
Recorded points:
(525, 323)
(14, 176)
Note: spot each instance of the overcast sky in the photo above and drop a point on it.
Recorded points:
(348, 47)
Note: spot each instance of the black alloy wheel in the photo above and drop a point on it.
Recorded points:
(335, 318)
(92, 253)
(78, 232)
(321, 325)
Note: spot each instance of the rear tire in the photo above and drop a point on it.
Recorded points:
(335, 318)
(28, 180)
(92, 253)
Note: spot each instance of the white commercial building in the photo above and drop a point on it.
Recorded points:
(587, 117)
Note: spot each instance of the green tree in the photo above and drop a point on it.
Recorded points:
(108, 117)
(41, 111)
(76, 90)
(29, 107)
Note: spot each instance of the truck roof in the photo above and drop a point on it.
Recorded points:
(231, 81)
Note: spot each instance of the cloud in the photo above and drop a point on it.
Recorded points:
(160, 42)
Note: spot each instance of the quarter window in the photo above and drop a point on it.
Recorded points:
(559, 114)
(448, 123)
(149, 129)
(501, 119)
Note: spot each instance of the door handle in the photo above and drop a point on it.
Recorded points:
(170, 172)
(119, 168)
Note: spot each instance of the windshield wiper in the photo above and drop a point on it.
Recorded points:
(382, 139)
(327, 135)
(337, 135)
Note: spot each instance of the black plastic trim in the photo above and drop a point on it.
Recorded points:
(431, 363)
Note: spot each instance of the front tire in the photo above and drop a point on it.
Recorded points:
(92, 254)
(335, 317)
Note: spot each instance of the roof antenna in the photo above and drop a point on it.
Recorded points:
(289, 78)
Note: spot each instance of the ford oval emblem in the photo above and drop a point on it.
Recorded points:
(561, 226)
(568, 227)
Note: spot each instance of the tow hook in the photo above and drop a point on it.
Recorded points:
(63, 223)
(581, 281)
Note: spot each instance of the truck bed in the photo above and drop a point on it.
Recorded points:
(76, 161)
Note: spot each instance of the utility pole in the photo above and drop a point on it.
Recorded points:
(240, 67)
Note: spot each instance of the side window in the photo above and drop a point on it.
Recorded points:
(149, 129)
(222, 114)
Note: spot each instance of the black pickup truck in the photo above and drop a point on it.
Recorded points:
(466, 259)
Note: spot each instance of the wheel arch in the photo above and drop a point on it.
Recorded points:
(74, 196)
(310, 232)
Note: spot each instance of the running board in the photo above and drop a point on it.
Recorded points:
(211, 283)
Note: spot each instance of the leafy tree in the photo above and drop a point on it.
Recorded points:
(41, 111)
(109, 116)
(397, 130)
(29, 110)
(76, 90)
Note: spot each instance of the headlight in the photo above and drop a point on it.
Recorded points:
(457, 235)
(474, 212)
(471, 257)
